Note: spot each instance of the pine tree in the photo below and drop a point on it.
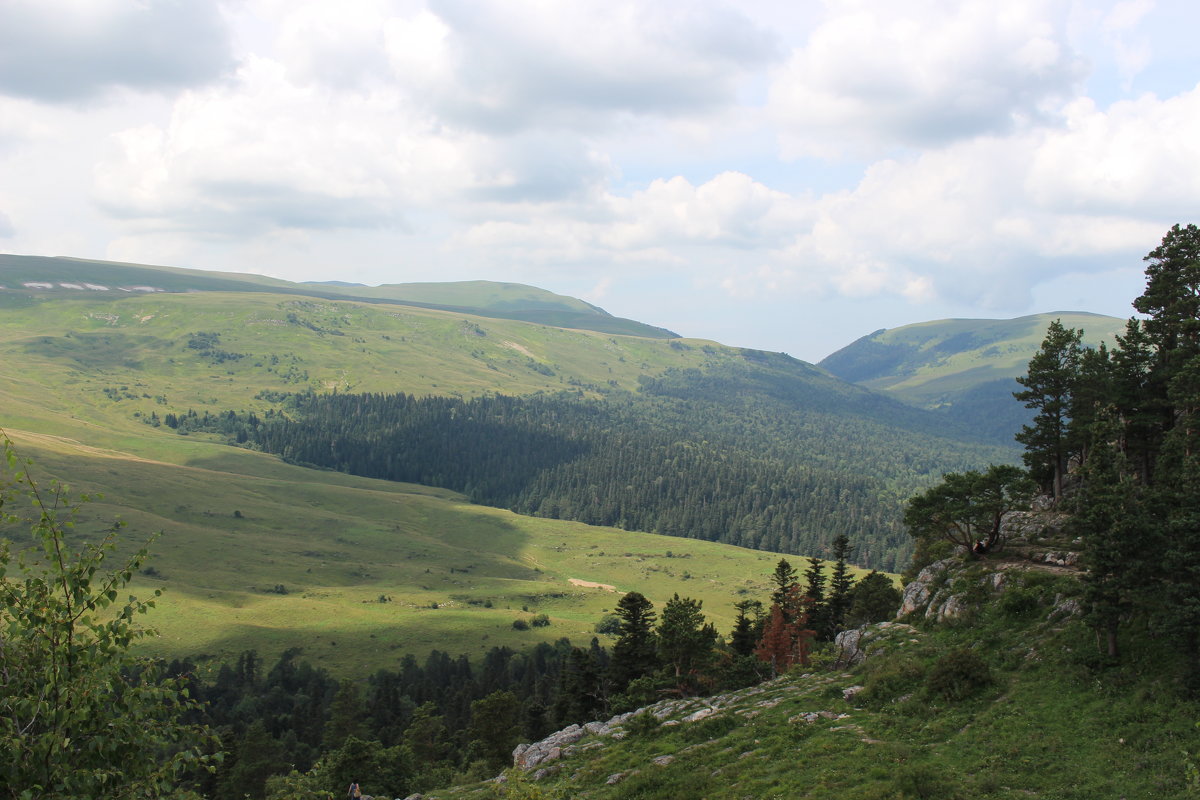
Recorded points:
(493, 730)
(818, 609)
(635, 653)
(346, 714)
(874, 599)
(685, 641)
(1112, 526)
(1049, 386)
(747, 627)
(840, 583)
(784, 579)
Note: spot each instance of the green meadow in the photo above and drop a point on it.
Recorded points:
(255, 554)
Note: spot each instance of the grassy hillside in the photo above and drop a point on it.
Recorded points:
(1008, 702)
(963, 368)
(257, 554)
(42, 276)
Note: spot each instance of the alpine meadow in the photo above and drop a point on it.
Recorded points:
(418, 537)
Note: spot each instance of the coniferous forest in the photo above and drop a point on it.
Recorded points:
(749, 456)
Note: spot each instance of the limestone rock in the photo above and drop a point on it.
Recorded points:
(916, 594)
(856, 644)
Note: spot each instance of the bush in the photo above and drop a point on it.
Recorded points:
(922, 782)
(890, 678)
(958, 675)
(1019, 603)
(540, 621)
(610, 625)
(520, 625)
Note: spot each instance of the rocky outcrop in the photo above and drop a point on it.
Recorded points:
(917, 594)
(1028, 527)
(856, 644)
(544, 757)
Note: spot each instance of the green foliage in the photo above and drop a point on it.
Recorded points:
(685, 641)
(923, 782)
(635, 653)
(493, 730)
(643, 725)
(958, 675)
(79, 715)
(891, 678)
(1051, 383)
(874, 598)
(518, 786)
(966, 509)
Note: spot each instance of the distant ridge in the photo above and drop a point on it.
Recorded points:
(965, 369)
(26, 274)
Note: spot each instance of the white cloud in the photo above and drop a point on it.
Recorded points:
(874, 76)
(69, 50)
(261, 153)
(507, 66)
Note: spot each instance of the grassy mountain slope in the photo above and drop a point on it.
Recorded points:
(480, 298)
(963, 368)
(83, 371)
(1044, 718)
(254, 553)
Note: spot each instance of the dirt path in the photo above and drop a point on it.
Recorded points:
(591, 585)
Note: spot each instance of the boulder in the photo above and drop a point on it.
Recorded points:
(916, 594)
(856, 644)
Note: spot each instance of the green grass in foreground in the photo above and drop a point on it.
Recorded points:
(1052, 723)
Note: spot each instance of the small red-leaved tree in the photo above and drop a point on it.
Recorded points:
(786, 639)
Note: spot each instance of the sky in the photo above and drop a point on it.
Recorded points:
(785, 175)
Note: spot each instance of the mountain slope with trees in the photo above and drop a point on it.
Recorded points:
(677, 436)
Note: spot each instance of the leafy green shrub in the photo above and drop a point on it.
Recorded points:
(958, 675)
(540, 621)
(923, 782)
(890, 678)
(1019, 603)
(520, 625)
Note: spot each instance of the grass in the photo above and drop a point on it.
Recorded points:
(81, 375)
(1052, 724)
(372, 570)
(939, 359)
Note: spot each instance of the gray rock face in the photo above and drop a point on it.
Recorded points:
(856, 644)
(1030, 526)
(916, 594)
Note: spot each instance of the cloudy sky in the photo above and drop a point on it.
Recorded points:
(782, 175)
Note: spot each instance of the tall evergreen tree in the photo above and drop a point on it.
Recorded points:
(784, 578)
(1177, 500)
(635, 653)
(1113, 528)
(747, 627)
(685, 641)
(493, 730)
(840, 584)
(1049, 386)
(818, 609)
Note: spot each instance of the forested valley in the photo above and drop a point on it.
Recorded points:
(753, 455)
